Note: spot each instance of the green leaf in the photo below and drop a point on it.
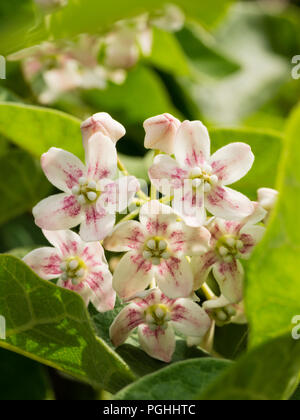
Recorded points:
(269, 372)
(242, 37)
(167, 53)
(273, 288)
(17, 17)
(180, 381)
(21, 378)
(266, 146)
(204, 53)
(51, 325)
(23, 184)
(36, 129)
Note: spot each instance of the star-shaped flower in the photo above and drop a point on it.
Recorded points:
(80, 267)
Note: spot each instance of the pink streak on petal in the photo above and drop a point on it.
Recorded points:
(70, 206)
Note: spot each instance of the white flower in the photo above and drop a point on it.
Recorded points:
(156, 317)
(231, 241)
(199, 181)
(157, 248)
(80, 267)
(91, 197)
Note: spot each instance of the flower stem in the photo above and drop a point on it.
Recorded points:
(130, 216)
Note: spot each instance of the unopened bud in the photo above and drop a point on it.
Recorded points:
(103, 123)
(160, 132)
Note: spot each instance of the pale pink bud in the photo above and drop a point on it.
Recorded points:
(160, 132)
(103, 123)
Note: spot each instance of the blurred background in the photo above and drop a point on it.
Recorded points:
(227, 63)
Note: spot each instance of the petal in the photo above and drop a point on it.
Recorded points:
(196, 240)
(160, 132)
(157, 217)
(251, 236)
(45, 262)
(159, 344)
(98, 224)
(190, 319)
(232, 162)
(228, 204)
(127, 320)
(100, 282)
(132, 275)
(202, 266)
(258, 215)
(126, 236)
(166, 174)
(189, 203)
(220, 302)
(230, 277)
(192, 144)
(63, 169)
(82, 289)
(58, 212)
(119, 195)
(101, 158)
(66, 241)
(175, 277)
(93, 255)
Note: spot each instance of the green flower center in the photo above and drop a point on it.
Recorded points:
(87, 191)
(74, 269)
(229, 247)
(157, 316)
(156, 249)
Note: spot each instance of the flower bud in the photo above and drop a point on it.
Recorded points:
(103, 123)
(267, 198)
(160, 132)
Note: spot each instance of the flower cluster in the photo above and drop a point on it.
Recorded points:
(91, 62)
(191, 236)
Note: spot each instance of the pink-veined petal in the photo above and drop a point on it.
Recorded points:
(196, 240)
(251, 236)
(232, 162)
(189, 203)
(230, 277)
(58, 212)
(126, 236)
(190, 319)
(82, 289)
(127, 320)
(166, 174)
(132, 275)
(62, 168)
(192, 144)
(99, 281)
(93, 254)
(45, 262)
(157, 217)
(175, 277)
(202, 266)
(159, 344)
(66, 241)
(101, 158)
(118, 195)
(228, 204)
(98, 224)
